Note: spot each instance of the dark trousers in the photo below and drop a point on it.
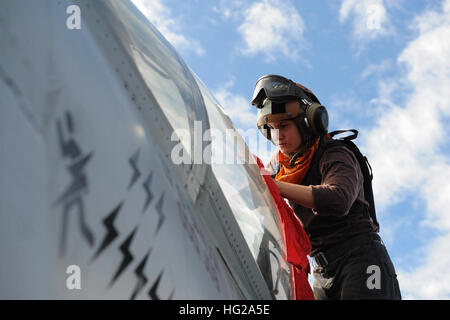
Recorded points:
(363, 271)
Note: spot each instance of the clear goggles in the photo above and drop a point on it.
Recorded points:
(277, 89)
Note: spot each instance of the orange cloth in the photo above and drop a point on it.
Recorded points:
(297, 172)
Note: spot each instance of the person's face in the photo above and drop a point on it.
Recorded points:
(286, 136)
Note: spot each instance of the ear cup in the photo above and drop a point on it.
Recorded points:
(317, 117)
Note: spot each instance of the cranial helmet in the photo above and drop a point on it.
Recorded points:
(278, 98)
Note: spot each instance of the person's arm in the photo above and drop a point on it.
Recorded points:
(341, 181)
(297, 193)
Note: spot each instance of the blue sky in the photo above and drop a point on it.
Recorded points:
(379, 66)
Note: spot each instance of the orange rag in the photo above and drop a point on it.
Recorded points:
(297, 172)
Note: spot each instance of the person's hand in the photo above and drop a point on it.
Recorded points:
(298, 193)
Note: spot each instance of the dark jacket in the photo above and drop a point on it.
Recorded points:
(337, 187)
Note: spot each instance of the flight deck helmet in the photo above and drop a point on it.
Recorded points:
(278, 98)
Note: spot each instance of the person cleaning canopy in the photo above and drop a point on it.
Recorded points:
(328, 185)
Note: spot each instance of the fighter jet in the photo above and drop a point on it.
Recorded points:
(93, 104)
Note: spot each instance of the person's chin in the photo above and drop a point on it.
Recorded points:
(285, 149)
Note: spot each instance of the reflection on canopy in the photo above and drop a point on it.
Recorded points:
(183, 98)
(250, 201)
(164, 72)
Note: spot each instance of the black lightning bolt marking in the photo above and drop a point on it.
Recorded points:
(162, 217)
(153, 293)
(111, 232)
(142, 279)
(127, 256)
(136, 173)
(146, 185)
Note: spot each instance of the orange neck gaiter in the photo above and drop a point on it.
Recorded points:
(297, 172)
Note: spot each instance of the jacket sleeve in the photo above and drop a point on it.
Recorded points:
(341, 183)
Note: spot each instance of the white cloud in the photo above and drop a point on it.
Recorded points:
(404, 148)
(376, 69)
(431, 280)
(243, 115)
(170, 27)
(436, 191)
(404, 141)
(348, 109)
(236, 106)
(370, 18)
(230, 9)
(271, 28)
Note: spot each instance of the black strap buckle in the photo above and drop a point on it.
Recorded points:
(320, 259)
